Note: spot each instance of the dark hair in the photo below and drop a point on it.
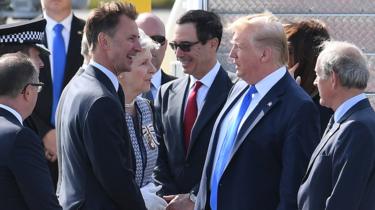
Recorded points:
(207, 24)
(13, 48)
(105, 19)
(16, 71)
(305, 39)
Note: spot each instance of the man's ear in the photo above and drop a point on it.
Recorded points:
(26, 93)
(103, 41)
(214, 43)
(266, 54)
(335, 80)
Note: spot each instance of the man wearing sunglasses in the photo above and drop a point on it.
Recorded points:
(187, 107)
(25, 179)
(154, 28)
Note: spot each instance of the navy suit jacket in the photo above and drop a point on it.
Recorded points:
(166, 77)
(271, 152)
(175, 170)
(341, 172)
(25, 181)
(94, 149)
(40, 120)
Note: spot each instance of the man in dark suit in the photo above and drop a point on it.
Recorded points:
(201, 95)
(340, 174)
(56, 12)
(264, 136)
(94, 150)
(155, 29)
(25, 181)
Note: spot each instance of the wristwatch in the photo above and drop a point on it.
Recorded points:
(192, 197)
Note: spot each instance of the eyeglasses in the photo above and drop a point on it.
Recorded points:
(159, 39)
(39, 86)
(184, 46)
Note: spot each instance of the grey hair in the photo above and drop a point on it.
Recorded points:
(146, 42)
(347, 61)
(16, 71)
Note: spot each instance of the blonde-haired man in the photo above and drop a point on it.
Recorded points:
(264, 136)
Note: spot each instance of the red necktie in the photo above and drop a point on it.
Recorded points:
(191, 113)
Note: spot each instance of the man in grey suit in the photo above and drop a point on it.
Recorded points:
(187, 107)
(94, 149)
(341, 174)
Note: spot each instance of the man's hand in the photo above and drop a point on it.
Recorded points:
(49, 142)
(179, 202)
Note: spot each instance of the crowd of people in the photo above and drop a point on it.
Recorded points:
(89, 120)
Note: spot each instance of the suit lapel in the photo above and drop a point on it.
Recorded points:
(176, 110)
(73, 52)
(267, 103)
(216, 96)
(360, 105)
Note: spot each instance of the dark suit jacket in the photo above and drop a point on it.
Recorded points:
(94, 147)
(271, 152)
(341, 172)
(41, 117)
(25, 182)
(176, 171)
(166, 77)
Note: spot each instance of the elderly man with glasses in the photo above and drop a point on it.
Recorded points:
(187, 108)
(154, 28)
(25, 181)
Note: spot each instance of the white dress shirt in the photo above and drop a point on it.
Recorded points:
(50, 33)
(206, 81)
(263, 88)
(14, 112)
(108, 73)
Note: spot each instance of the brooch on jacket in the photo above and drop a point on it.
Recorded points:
(150, 136)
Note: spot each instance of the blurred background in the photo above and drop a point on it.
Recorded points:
(28, 9)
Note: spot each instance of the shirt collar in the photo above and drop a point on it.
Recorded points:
(264, 85)
(344, 107)
(107, 72)
(14, 112)
(51, 22)
(209, 78)
(156, 79)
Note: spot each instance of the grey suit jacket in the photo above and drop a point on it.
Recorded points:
(341, 172)
(177, 171)
(94, 150)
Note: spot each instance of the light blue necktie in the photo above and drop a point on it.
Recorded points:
(227, 146)
(59, 58)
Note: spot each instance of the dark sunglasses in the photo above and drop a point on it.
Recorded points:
(184, 46)
(159, 39)
(39, 85)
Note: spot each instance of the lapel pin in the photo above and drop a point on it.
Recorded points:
(269, 104)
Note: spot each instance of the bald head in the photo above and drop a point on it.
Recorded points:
(152, 25)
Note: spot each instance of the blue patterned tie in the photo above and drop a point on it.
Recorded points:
(227, 146)
(59, 58)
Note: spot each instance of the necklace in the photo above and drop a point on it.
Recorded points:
(131, 105)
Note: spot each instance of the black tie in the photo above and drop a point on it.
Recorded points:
(121, 96)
